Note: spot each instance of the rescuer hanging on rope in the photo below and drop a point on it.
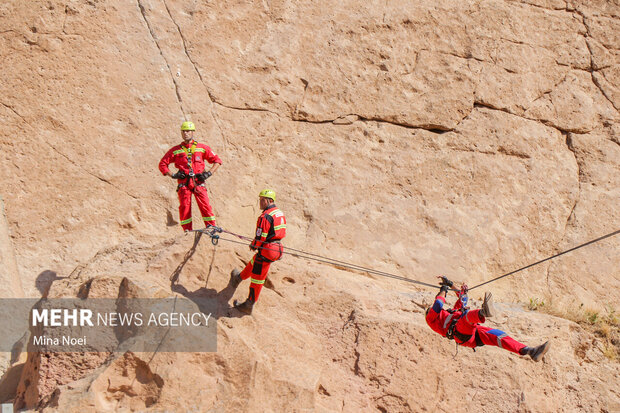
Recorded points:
(190, 158)
(270, 229)
(463, 325)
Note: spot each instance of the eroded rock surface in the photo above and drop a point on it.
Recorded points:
(465, 138)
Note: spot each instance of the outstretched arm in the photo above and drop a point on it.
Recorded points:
(440, 298)
(443, 292)
(446, 284)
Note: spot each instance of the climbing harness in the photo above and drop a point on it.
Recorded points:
(452, 320)
(452, 333)
(189, 153)
(463, 296)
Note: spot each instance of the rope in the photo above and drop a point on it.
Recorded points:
(316, 257)
(320, 258)
(211, 231)
(611, 234)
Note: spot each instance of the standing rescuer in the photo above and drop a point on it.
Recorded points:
(270, 229)
(190, 158)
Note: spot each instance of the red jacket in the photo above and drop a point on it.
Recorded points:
(198, 152)
(439, 319)
(271, 226)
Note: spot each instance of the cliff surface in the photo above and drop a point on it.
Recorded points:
(464, 138)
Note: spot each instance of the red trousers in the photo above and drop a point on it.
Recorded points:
(468, 325)
(185, 206)
(258, 267)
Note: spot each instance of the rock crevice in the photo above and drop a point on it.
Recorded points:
(161, 52)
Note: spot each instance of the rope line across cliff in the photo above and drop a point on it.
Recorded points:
(611, 234)
(214, 232)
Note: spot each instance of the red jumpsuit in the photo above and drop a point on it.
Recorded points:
(270, 229)
(190, 159)
(467, 331)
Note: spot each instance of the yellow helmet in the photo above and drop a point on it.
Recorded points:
(268, 193)
(188, 126)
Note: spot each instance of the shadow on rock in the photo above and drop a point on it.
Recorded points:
(175, 275)
(45, 280)
(210, 301)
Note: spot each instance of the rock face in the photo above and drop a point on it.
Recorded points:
(9, 276)
(43, 372)
(11, 287)
(465, 138)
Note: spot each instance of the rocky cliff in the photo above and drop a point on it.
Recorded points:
(465, 138)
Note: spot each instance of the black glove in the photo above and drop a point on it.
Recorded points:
(179, 175)
(204, 176)
(445, 282)
(444, 289)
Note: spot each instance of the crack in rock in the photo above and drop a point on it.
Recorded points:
(548, 123)
(148, 25)
(591, 69)
(434, 128)
(249, 109)
(600, 87)
(551, 90)
(479, 104)
(195, 65)
(352, 319)
(66, 157)
(565, 8)
(16, 113)
(570, 217)
(89, 172)
(303, 97)
(569, 145)
(500, 151)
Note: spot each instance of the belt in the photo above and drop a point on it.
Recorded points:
(463, 338)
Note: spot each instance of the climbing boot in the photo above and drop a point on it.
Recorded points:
(235, 278)
(537, 353)
(244, 307)
(488, 310)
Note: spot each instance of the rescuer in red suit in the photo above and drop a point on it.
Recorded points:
(270, 229)
(463, 325)
(190, 158)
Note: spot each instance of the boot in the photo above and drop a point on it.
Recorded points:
(488, 310)
(235, 278)
(537, 353)
(244, 307)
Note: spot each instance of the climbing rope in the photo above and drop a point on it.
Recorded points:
(611, 234)
(213, 232)
(320, 258)
(310, 256)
